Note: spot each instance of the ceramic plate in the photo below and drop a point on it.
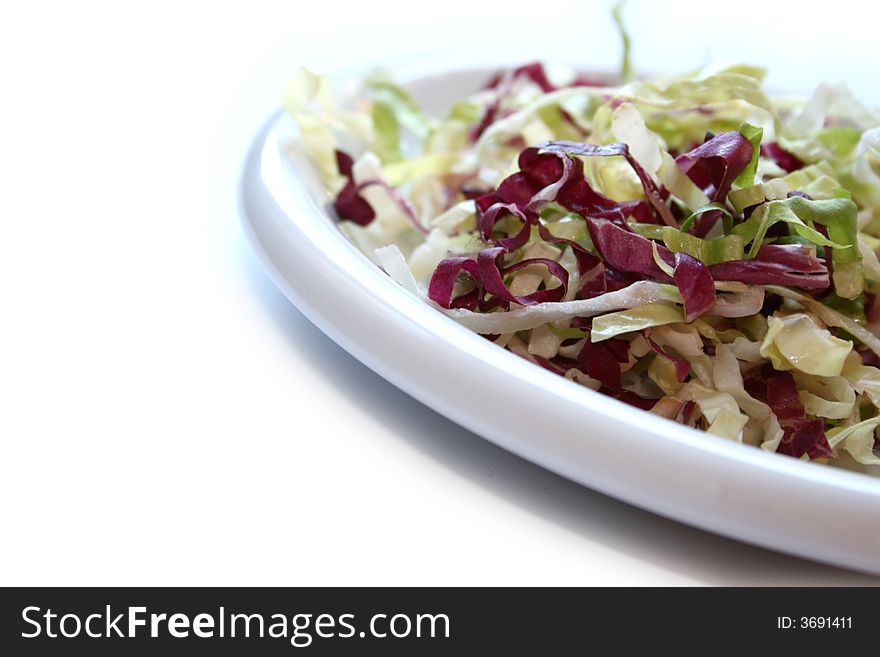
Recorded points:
(805, 509)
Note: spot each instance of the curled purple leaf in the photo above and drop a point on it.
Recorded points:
(695, 284)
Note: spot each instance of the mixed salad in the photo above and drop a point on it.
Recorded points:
(692, 246)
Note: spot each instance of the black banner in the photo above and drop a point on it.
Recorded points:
(335, 621)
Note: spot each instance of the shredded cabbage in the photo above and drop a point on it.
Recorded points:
(797, 342)
(689, 245)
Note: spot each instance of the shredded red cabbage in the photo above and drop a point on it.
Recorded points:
(801, 435)
(786, 160)
(500, 82)
(487, 274)
(795, 265)
(442, 285)
(534, 71)
(695, 284)
(492, 277)
(682, 366)
(590, 150)
(626, 251)
(713, 166)
(349, 204)
(602, 360)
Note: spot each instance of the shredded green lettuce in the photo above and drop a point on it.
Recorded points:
(754, 135)
(840, 218)
(709, 251)
(788, 211)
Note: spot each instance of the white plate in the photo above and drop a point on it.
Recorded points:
(739, 491)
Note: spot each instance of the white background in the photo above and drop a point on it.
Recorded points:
(167, 417)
